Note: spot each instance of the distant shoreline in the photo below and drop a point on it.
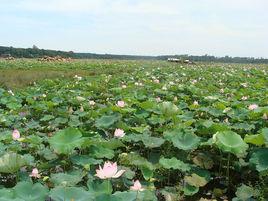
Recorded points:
(37, 53)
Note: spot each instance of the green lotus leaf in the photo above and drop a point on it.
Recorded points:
(121, 196)
(152, 142)
(65, 141)
(244, 192)
(47, 153)
(264, 133)
(66, 179)
(135, 159)
(26, 191)
(229, 141)
(260, 159)
(175, 164)
(129, 174)
(243, 126)
(7, 194)
(170, 193)
(106, 121)
(195, 180)
(111, 144)
(13, 105)
(84, 160)
(143, 164)
(133, 138)
(99, 187)
(190, 190)
(147, 140)
(257, 139)
(145, 195)
(147, 172)
(70, 193)
(185, 140)
(47, 118)
(101, 152)
(12, 162)
(168, 108)
(203, 161)
(141, 129)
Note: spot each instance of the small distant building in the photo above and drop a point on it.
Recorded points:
(5, 55)
(173, 60)
(186, 61)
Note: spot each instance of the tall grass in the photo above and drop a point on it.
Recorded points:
(24, 72)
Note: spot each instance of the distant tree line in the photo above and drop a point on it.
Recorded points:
(208, 58)
(35, 52)
(32, 52)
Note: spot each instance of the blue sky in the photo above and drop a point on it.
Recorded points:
(140, 27)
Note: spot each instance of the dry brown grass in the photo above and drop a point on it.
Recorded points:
(18, 78)
(19, 73)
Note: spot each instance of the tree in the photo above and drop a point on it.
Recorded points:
(35, 47)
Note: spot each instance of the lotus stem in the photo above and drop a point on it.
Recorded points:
(137, 195)
(108, 186)
(220, 166)
(17, 176)
(228, 169)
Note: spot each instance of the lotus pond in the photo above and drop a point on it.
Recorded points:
(136, 131)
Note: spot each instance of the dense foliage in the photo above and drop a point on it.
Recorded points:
(36, 53)
(180, 132)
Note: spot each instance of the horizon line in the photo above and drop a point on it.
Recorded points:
(137, 55)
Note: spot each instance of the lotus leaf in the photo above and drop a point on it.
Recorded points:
(185, 140)
(260, 159)
(174, 164)
(231, 142)
(11, 162)
(66, 179)
(65, 141)
(70, 193)
(26, 191)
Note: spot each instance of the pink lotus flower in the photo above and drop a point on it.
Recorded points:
(108, 171)
(158, 99)
(194, 81)
(137, 186)
(120, 104)
(244, 85)
(195, 103)
(92, 103)
(11, 92)
(253, 107)
(15, 134)
(35, 173)
(244, 98)
(78, 77)
(164, 88)
(138, 84)
(81, 108)
(119, 133)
